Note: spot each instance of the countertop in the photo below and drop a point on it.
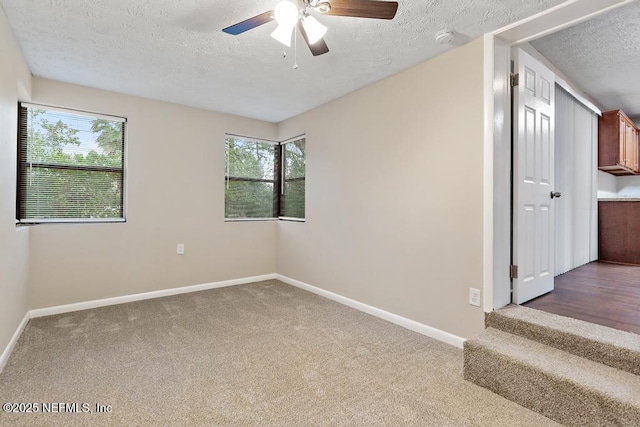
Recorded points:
(620, 199)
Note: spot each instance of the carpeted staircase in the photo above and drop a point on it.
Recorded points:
(574, 372)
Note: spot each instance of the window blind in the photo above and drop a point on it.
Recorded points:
(250, 178)
(70, 166)
(292, 201)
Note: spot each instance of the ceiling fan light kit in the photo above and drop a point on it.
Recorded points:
(283, 34)
(291, 14)
(315, 30)
(286, 13)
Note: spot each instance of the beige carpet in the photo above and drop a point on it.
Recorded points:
(259, 354)
(574, 372)
(611, 347)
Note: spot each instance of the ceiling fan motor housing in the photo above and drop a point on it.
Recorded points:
(323, 7)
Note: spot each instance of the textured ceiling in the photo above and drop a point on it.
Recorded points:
(602, 56)
(174, 50)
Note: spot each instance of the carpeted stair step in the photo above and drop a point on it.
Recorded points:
(612, 347)
(567, 388)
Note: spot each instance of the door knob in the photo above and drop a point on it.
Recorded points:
(555, 194)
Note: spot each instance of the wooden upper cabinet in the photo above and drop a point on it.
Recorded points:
(618, 151)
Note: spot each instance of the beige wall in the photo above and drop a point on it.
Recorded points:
(395, 194)
(175, 177)
(14, 242)
(394, 200)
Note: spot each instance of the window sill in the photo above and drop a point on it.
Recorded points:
(282, 218)
(27, 223)
(291, 219)
(20, 227)
(250, 219)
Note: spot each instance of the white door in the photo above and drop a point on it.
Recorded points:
(533, 178)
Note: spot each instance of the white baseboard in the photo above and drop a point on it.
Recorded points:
(390, 317)
(412, 325)
(12, 342)
(49, 311)
(67, 308)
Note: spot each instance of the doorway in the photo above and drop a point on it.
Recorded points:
(507, 39)
(554, 204)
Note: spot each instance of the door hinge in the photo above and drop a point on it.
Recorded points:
(513, 271)
(515, 80)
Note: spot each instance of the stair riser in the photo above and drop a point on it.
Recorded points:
(610, 355)
(557, 398)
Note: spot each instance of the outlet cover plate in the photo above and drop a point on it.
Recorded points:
(474, 297)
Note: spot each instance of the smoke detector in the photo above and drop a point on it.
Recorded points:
(444, 36)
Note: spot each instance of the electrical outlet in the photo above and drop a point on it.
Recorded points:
(180, 249)
(474, 297)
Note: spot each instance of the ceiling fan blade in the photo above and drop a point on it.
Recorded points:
(249, 24)
(318, 48)
(364, 8)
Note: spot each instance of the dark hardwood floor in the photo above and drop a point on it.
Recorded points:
(598, 292)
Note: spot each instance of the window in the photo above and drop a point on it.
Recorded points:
(264, 179)
(250, 178)
(70, 166)
(293, 171)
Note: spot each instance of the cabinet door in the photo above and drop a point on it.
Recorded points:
(618, 145)
(631, 147)
(622, 156)
(633, 140)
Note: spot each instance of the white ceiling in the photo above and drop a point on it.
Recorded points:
(602, 56)
(175, 51)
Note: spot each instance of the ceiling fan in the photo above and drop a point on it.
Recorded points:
(296, 13)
